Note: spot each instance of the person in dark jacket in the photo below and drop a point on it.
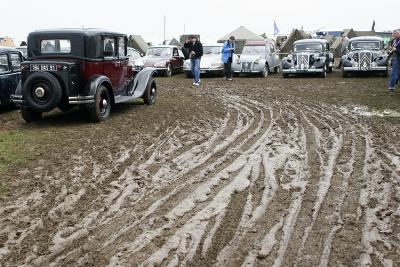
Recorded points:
(195, 49)
(227, 55)
(395, 53)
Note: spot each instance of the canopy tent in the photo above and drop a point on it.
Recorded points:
(336, 47)
(175, 42)
(137, 42)
(242, 34)
(296, 35)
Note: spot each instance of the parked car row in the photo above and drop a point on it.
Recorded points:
(60, 71)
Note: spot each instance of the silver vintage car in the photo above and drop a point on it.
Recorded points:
(258, 57)
(210, 63)
(365, 54)
(309, 56)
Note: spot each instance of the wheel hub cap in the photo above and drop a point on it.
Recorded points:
(104, 103)
(39, 92)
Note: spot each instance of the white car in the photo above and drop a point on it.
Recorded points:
(135, 59)
(210, 63)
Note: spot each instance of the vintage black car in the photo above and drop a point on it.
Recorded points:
(79, 67)
(365, 54)
(309, 56)
(10, 73)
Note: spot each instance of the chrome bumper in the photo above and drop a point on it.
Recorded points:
(302, 71)
(17, 99)
(75, 100)
(364, 70)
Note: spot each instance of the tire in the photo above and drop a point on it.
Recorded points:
(385, 73)
(30, 115)
(345, 74)
(265, 72)
(330, 69)
(150, 95)
(42, 91)
(100, 110)
(285, 75)
(168, 72)
(277, 69)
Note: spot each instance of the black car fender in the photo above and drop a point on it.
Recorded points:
(94, 82)
(140, 82)
(319, 64)
(287, 63)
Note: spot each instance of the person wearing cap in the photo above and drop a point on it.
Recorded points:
(395, 53)
(227, 55)
(195, 49)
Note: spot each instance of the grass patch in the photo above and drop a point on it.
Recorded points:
(13, 149)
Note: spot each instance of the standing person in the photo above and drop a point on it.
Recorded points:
(344, 46)
(195, 49)
(227, 55)
(394, 51)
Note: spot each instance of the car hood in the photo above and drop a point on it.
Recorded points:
(250, 58)
(150, 61)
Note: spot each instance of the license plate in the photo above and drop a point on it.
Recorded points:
(43, 67)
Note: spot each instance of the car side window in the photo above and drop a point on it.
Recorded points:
(121, 47)
(175, 52)
(15, 61)
(109, 47)
(4, 64)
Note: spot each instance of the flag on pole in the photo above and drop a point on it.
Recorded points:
(276, 29)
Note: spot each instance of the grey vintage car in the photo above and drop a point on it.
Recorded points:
(365, 54)
(258, 57)
(309, 56)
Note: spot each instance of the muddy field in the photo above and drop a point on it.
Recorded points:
(254, 172)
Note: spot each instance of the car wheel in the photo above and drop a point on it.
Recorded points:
(345, 74)
(30, 115)
(102, 105)
(277, 69)
(330, 69)
(151, 92)
(265, 72)
(42, 91)
(168, 72)
(385, 73)
(285, 75)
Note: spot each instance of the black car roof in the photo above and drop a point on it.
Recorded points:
(89, 32)
(367, 38)
(7, 49)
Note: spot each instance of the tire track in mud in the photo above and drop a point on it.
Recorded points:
(281, 183)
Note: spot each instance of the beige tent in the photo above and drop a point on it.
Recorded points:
(242, 34)
(296, 34)
(7, 42)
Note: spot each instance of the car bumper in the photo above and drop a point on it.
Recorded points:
(17, 99)
(76, 100)
(302, 71)
(206, 70)
(352, 69)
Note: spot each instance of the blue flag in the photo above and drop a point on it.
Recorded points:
(276, 29)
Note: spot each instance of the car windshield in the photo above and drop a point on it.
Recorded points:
(365, 45)
(252, 49)
(159, 52)
(207, 50)
(308, 47)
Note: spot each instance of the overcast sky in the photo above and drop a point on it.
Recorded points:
(210, 18)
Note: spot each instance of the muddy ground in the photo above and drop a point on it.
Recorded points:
(258, 172)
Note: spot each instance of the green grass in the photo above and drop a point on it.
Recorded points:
(13, 151)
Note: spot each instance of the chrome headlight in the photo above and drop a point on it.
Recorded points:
(290, 56)
(256, 61)
(351, 55)
(316, 56)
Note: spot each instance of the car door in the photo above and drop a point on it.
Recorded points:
(123, 62)
(112, 65)
(15, 66)
(274, 55)
(176, 61)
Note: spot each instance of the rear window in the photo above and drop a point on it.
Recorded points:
(57, 46)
